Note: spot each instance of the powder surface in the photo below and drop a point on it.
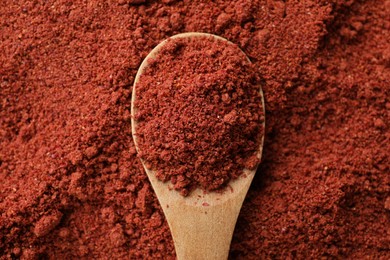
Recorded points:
(72, 186)
(199, 113)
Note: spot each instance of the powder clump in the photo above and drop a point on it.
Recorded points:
(47, 224)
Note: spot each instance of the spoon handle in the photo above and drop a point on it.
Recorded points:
(202, 232)
(202, 225)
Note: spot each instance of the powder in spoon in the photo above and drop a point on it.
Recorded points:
(199, 113)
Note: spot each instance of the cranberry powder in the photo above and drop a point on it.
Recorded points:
(72, 186)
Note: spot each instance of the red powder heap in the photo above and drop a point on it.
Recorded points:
(199, 113)
(72, 187)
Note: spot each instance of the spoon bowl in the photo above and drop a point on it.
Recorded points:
(201, 223)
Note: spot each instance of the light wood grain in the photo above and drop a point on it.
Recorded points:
(201, 224)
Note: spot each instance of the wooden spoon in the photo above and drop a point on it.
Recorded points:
(201, 224)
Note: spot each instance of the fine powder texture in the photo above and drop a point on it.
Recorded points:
(72, 186)
(199, 113)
